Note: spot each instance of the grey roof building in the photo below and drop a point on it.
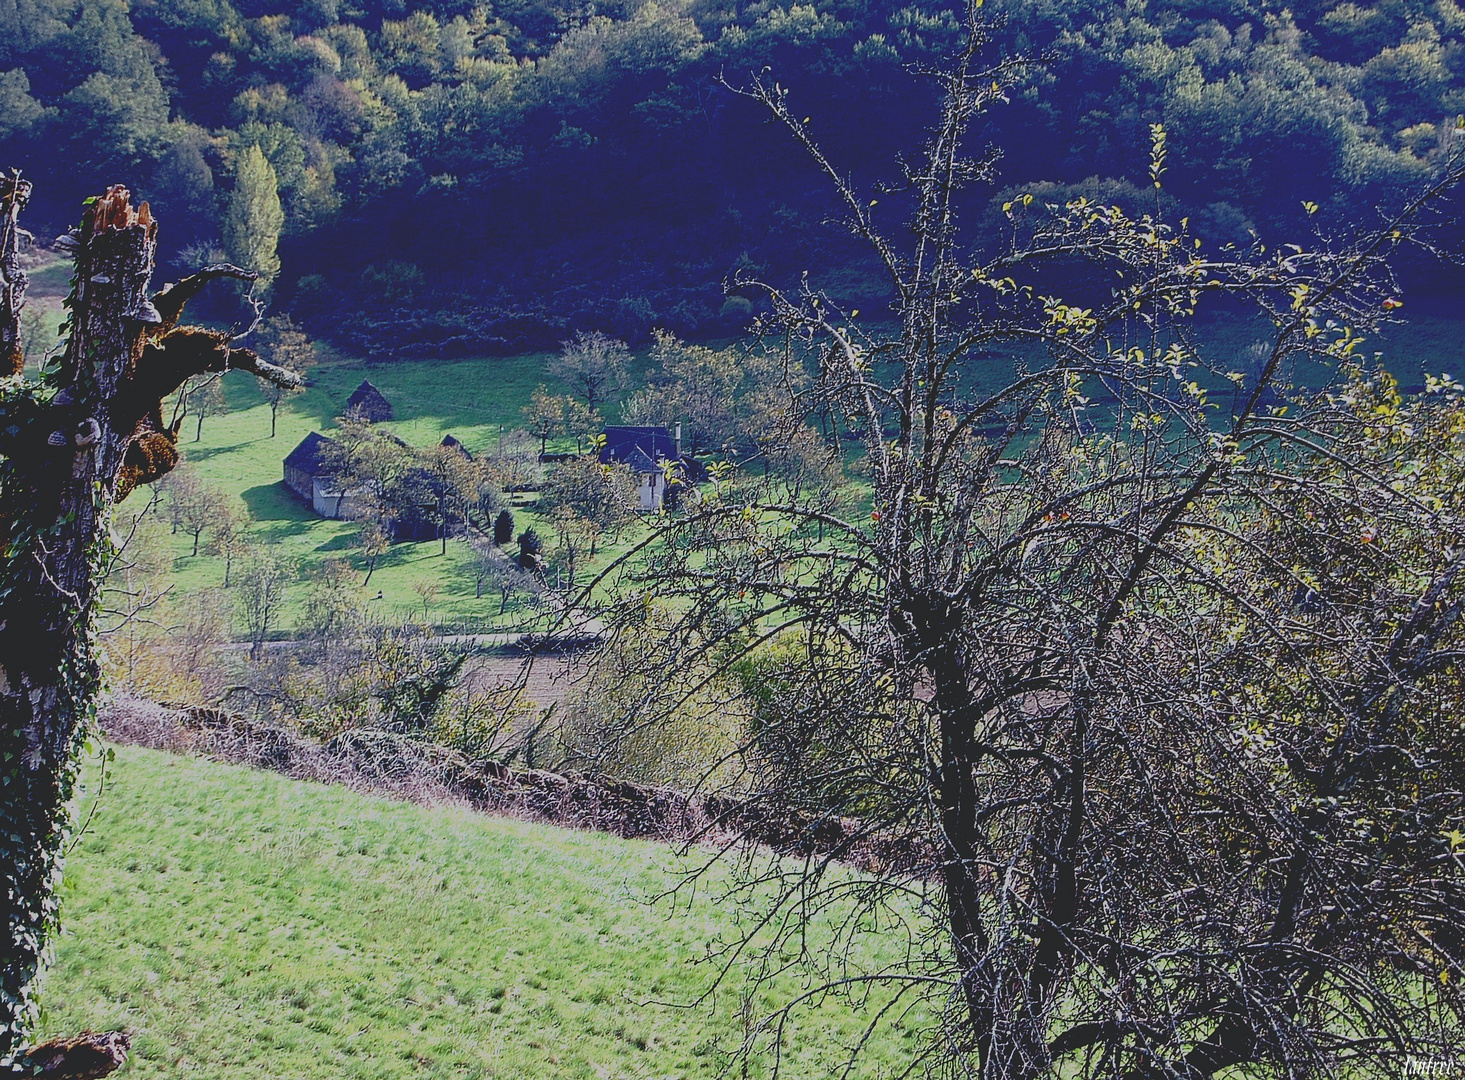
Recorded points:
(654, 456)
(304, 465)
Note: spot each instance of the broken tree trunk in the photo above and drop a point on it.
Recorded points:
(71, 444)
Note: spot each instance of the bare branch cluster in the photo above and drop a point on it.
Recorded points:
(1147, 654)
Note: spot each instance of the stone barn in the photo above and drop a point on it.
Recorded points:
(306, 474)
(452, 443)
(304, 465)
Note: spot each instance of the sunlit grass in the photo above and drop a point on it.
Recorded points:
(242, 924)
(470, 399)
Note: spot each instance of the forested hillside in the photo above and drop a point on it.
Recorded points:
(458, 176)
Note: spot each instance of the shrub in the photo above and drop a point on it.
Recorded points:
(503, 528)
(531, 547)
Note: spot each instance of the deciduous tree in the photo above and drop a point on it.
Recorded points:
(544, 416)
(260, 595)
(594, 366)
(205, 398)
(1136, 666)
(286, 346)
(227, 536)
(603, 495)
(374, 543)
(254, 217)
(196, 506)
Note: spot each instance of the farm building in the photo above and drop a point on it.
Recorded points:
(304, 464)
(368, 402)
(452, 443)
(650, 479)
(307, 474)
(654, 456)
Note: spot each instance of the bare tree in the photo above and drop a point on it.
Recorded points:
(454, 482)
(374, 468)
(427, 591)
(68, 451)
(286, 346)
(1117, 673)
(196, 506)
(545, 416)
(517, 466)
(594, 366)
(374, 543)
(205, 397)
(494, 569)
(332, 611)
(228, 537)
(603, 495)
(259, 596)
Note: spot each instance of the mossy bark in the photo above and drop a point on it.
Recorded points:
(62, 451)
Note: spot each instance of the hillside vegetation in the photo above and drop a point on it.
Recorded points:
(458, 176)
(242, 924)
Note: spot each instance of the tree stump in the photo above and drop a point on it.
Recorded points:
(72, 443)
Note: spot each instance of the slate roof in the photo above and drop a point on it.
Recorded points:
(369, 402)
(452, 443)
(640, 464)
(307, 456)
(654, 442)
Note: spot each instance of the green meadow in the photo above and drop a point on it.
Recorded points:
(242, 924)
(472, 399)
(477, 398)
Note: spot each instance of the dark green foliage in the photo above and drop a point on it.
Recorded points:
(530, 549)
(613, 184)
(503, 528)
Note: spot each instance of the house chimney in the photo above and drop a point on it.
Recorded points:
(676, 446)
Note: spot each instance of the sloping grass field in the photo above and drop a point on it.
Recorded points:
(242, 924)
(465, 398)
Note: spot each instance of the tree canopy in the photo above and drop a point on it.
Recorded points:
(601, 177)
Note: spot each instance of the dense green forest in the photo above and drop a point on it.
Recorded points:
(459, 176)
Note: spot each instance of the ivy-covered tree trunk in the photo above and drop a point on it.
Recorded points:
(73, 442)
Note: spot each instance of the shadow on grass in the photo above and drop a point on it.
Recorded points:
(394, 556)
(276, 502)
(343, 542)
(195, 453)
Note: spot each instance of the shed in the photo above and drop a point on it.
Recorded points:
(451, 443)
(329, 500)
(367, 402)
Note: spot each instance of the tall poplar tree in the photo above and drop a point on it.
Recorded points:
(254, 219)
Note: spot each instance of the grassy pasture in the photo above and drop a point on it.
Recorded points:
(467, 398)
(243, 924)
(1428, 342)
(472, 398)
